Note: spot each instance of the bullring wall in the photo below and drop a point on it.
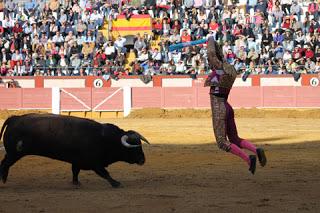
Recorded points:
(157, 81)
(88, 99)
(162, 92)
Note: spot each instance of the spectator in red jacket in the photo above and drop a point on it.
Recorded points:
(176, 26)
(309, 52)
(17, 28)
(286, 23)
(297, 53)
(1, 31)
(3, 69)
(157, 27)
(185, 37)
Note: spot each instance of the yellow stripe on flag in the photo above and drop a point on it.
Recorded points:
(136, 22)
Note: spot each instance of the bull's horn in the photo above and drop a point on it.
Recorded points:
(141, 137)
(124, 142)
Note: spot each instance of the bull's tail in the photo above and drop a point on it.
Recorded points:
(5, 124)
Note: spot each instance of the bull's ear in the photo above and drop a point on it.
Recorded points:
(110, 129)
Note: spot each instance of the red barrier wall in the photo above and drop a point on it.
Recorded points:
(36, 98)
(182, 97)
(254, 80)
(69, 103)
(10, 98)
(307, 96)
(113, 103)
(246, 97)
(151, 97)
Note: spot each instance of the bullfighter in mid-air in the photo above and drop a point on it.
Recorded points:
(220, 81)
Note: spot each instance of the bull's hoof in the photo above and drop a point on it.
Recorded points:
(76, 183)
(116, 184)
(3, 176)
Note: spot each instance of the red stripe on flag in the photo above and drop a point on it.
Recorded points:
(134, 16)
(131, 28)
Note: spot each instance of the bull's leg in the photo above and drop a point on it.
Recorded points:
(6, 163)
(75, 173)
(102, 172)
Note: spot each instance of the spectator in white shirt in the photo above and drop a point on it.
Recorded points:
(175, 56)
(156, 56)
(109, 50)
(143, 56)
(180, 67)
(119, 44)
(287, 56)
(58, 39)
(97, 18)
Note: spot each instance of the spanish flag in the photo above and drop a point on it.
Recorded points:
(136, 24)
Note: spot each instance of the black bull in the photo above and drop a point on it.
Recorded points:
(86, 144)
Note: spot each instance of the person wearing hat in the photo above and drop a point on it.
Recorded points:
(220, 81)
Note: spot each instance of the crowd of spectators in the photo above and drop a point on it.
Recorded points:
(62, 37)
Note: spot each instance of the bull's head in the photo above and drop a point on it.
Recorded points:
(132, 141)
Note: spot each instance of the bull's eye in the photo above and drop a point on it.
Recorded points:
(19, 146)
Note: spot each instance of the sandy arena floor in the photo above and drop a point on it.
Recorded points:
(184, 172)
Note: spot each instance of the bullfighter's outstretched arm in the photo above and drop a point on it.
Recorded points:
(216, 58)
